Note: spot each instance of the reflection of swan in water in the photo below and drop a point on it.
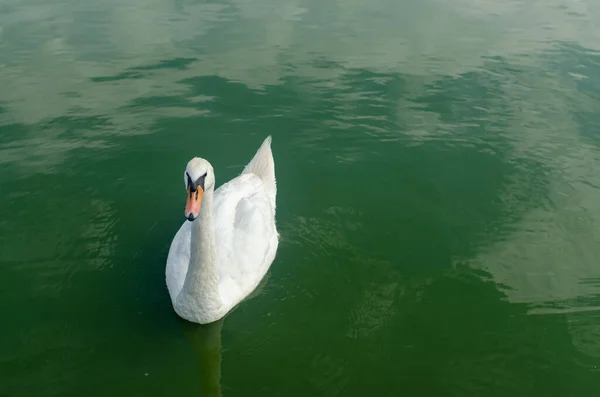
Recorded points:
(205, 341)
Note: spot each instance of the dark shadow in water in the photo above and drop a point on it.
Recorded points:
(137, 71)
(72, 125)
(117, 77)
(11, 133)
(175, 63)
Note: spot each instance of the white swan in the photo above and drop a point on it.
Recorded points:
(228, 242)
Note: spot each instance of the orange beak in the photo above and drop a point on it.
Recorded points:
(192, 206)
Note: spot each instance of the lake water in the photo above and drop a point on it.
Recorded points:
(438, 166)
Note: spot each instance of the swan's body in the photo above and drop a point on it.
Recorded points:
(220, 256)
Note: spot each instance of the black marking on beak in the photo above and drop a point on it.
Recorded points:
(193, 185)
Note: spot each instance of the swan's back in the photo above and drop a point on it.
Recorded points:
(245, 236)
(245, 231)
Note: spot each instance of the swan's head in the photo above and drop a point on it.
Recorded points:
(198, 177)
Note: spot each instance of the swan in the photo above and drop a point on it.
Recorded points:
(228, 241)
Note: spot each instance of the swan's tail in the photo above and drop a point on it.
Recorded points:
(263, 166)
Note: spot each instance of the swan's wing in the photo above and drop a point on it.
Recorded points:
(245, 235)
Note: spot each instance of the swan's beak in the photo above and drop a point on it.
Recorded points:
(192, 206)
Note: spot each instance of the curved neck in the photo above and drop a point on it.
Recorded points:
(200, 298)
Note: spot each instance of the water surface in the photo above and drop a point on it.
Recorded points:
(438, 202)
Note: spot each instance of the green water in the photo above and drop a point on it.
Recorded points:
(439, 195)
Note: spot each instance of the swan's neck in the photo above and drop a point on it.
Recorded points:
(199, 300)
